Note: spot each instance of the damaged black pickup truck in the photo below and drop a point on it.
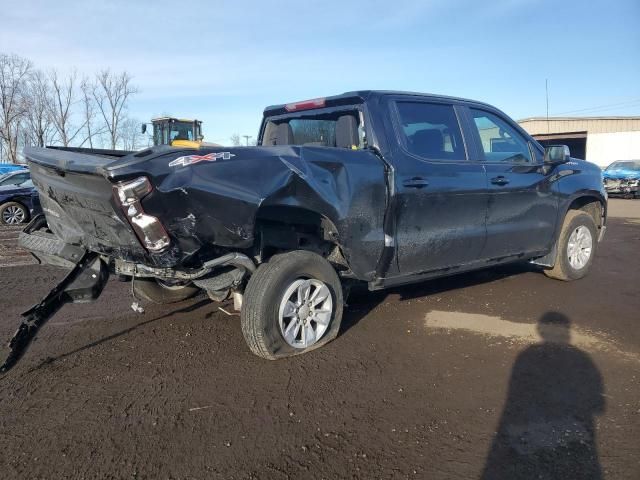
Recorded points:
(381, 188)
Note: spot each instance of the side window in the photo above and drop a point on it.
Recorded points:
(500, 141)
(431, 130)
(18, 179)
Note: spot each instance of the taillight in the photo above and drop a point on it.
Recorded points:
(305, 105)
(148, 228)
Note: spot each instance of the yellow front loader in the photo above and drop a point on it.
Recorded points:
(177, 132)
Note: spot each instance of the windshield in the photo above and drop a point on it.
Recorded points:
(166, 132)
(181, 131)
(625, 165)
(14, 178)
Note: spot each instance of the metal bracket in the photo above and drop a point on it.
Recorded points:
(82, 284)
(549, 259)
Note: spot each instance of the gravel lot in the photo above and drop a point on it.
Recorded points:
(446, 379)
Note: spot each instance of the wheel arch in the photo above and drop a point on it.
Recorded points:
(591, 202)
(282, 227)
(579, 201)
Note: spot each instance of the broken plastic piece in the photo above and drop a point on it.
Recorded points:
(83, 283)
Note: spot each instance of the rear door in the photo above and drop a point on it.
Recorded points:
(442, 197)
(522, 207)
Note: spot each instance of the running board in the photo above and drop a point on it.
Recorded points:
(82, 284)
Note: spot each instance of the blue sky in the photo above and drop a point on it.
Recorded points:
(223, 62)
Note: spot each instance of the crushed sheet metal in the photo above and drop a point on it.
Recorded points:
(219, 203)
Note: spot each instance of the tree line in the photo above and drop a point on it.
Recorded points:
(39, 108)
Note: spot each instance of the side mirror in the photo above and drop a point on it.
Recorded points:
(555, 154)
(143, 130)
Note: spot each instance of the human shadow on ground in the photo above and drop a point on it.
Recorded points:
(547, 429)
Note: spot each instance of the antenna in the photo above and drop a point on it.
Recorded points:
(546, 87)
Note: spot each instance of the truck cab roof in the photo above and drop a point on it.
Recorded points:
(359, 96)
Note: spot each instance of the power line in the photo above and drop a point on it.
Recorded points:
(626, 103)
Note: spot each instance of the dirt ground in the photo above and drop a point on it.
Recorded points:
(472, 376)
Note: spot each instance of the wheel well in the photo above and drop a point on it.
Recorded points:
(285, 228)
(591, 205)
(14, 200)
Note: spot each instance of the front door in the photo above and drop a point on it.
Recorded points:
(522, 207)
(442, 197)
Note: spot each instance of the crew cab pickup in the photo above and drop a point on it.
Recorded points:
(377, 187)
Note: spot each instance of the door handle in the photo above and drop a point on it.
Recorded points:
(416, 182)
(499, 180)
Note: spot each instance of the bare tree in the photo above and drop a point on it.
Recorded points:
(14, 72)
(39, 129)
(111, 94)
(235, 140)
(87, 87)
(62, 106)
(130, 134)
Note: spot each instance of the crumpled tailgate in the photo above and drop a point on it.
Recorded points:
(81, 210)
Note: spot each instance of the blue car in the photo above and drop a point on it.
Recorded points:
(10, 167)
(18, 203)
(623, 178)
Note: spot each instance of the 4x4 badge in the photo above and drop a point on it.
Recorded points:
(191, 159)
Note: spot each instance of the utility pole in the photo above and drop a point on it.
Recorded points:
(246, 137)
(546, 87)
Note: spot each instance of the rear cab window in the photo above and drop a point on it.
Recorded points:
(430, 130)
(335, 128)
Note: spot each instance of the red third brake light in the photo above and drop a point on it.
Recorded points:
(305, 105)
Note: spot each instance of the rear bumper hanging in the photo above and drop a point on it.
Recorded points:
(83, 283)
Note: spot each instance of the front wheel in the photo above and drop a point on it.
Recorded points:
(292, 304)
(576, 247)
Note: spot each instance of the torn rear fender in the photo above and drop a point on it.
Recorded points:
(218, 202)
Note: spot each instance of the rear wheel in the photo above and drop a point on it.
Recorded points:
(157, 291)
(13, 213)
(576, 247)
(292, 304)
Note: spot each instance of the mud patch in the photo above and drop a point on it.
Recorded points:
(525, 333)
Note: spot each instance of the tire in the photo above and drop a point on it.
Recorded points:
(13, 213)
(266, 314)
(155, 291)
(565, 268)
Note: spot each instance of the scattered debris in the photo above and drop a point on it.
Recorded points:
(200, 408)
(226, 312)
(136, 307)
